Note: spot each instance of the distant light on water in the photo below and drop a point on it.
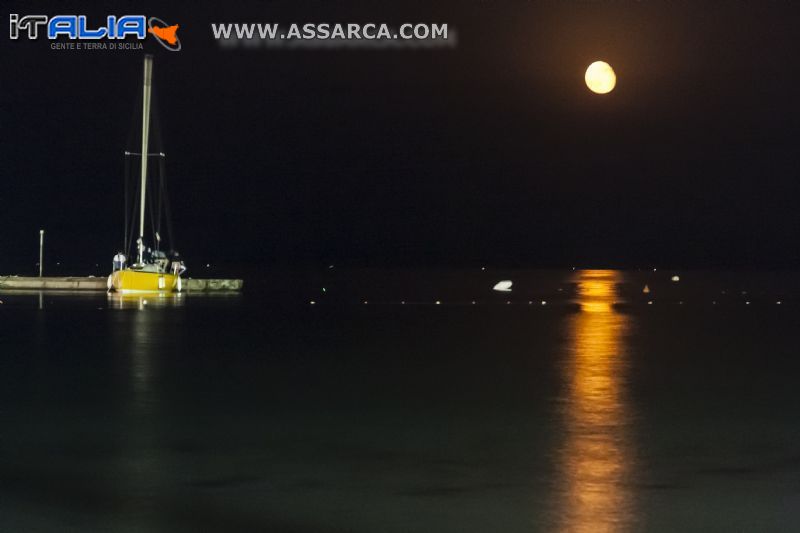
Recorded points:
(503, 286)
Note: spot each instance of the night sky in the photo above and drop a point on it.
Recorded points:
(491, 153)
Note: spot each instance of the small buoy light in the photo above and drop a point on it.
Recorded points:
(438, 302)
(312, 302)
(544, 302)
(676, 278)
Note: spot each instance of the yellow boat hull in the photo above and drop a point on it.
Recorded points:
(132, 281)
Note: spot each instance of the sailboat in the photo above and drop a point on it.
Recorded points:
(153, 270)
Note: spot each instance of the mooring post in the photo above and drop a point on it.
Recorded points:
(41, 250)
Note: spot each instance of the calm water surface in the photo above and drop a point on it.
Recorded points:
(593, 411)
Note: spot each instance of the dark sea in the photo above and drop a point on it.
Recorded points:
(577, 402)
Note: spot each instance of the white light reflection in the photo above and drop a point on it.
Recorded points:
(143, 330)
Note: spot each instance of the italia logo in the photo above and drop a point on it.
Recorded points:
(76, 27)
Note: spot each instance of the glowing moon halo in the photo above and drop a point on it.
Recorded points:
(600, 77)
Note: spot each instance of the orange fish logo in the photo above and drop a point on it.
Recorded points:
(165, 34)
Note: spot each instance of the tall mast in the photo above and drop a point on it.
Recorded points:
(148, 76)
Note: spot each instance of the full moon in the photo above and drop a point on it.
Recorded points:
(600, 77)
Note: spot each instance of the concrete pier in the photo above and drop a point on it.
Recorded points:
(92, 283)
